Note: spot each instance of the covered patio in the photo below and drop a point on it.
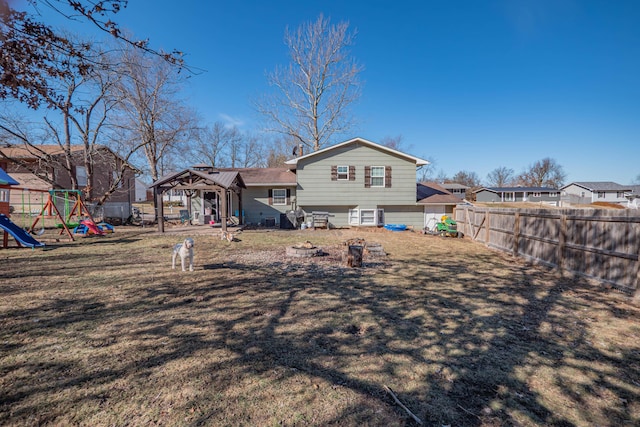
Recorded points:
(214, 189)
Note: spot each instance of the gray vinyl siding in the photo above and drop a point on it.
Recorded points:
(315, 187)
(256, 204)
(412, 216)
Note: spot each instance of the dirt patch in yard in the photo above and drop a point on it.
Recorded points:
(102, 332)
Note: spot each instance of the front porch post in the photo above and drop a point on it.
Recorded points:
(223, 209)
(159, 209)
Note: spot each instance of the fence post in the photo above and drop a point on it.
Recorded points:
(636, 294)
(516, 233)
(488, 230)
(562, 242)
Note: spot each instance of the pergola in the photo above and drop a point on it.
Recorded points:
(191, 181)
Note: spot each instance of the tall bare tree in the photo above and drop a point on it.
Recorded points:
(212, 143)
(78, 114)
(543, 173)
(311, 96)
(500, 177)
(153, 118)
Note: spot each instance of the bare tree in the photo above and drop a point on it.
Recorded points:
(394, 142)
(543, 173)
(33, 54)
(79, 109)
(311, 96)
(470, 179)
(152, 116)
(500, 177)
(428, 172)
(212, 143)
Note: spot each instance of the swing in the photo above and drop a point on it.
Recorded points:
(40, 232)
(67, 211)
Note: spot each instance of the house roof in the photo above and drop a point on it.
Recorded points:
(431, 193)
(517, 189)
(5, 179)
(418, 161)
(455, 185)
(266, 176)
(224, 179)
(35, 151)
(38, 151)
(600, 186)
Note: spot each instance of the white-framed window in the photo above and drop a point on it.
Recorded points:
(536, 194)
(365, 217)
(620, 194)
(377, 176)
(279, 196)
(4, 196)
(81, 176)
(343, 173)
(601, 195)
(510, 196)
(553, 194)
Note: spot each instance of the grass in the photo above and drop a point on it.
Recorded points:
(102, 332)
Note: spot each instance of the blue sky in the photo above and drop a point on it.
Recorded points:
(473, 84)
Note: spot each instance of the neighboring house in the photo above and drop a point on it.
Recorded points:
(21, 161)
(633, 197)
(359, 183)
(545, 195)
(458, 190)
(585, 192)
(437, 201)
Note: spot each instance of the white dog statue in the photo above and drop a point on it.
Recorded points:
(185, 250)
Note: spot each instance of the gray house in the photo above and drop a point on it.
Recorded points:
(458, 190)
(269, 194)
(359, 183)
(596, 191)
(518, 194)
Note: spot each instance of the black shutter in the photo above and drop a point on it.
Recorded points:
(270, 196)
(288, 196)
(387, 177)
(352, 173)
(367, 177)
(334, 173)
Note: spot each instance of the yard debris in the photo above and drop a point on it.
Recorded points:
(418, 420)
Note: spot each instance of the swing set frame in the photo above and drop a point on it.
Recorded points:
(50, 210)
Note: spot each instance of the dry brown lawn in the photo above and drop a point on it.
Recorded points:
(101, 332)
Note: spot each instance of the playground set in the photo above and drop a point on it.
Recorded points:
(73, 221)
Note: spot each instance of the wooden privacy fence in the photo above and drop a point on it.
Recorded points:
(602, 244)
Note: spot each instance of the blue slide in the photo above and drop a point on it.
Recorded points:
(18, 233)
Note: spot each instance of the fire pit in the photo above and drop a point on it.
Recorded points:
(303, 250)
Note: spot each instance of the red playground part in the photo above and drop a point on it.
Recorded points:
(92, 227)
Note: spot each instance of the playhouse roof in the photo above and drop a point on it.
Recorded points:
(5, 179)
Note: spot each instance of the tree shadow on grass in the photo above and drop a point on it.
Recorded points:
(460, 345)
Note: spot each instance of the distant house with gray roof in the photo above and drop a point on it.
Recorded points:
(596, 191)
(546, 195)
(458, 190)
